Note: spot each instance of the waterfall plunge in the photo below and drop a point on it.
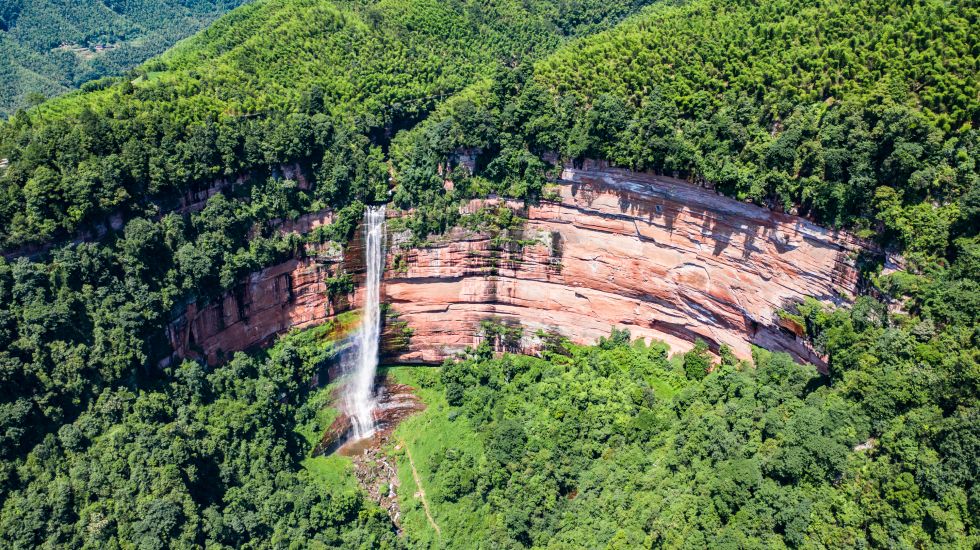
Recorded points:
(360, 396)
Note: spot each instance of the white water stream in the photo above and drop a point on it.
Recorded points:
(360, 396)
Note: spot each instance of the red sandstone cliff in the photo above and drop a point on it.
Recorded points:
(656, 256)
(270, 302)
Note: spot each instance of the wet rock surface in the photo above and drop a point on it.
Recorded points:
(374, 468)
(394, 402)
(378, 477)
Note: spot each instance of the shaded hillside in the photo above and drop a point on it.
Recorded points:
(48, 47)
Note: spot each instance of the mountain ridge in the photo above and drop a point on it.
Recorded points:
(50, 47)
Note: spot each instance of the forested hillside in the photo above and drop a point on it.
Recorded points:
(859, 115)
(276, 81)
(82, 326)
(206, 458)
(48, 47)
(617, 446)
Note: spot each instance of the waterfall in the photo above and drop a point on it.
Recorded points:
(361, 393)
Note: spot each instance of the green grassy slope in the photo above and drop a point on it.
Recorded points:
(430, 436)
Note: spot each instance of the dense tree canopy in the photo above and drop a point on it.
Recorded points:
(619, 446)
(860, 115)
(276, 81)
(857, 114)
(50, 46)
(206, 458)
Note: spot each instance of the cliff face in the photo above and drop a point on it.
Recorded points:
(653, 255)
(289, 295)
(270, 302)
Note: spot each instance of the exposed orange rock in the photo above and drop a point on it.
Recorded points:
(657, 256)
(791, 325)
(654, 255)
(270, 302)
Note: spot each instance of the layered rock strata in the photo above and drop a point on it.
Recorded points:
(270, 302)
(653, 255)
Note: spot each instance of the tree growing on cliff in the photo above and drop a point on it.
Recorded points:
(697, 362)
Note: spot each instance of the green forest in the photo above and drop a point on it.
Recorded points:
(858, 115)
(220, 104)
(620, 446)
(49, 47)
(204, 458)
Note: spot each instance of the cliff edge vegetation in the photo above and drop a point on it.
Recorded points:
(859, 115)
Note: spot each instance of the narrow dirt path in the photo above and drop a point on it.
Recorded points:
(421, 493)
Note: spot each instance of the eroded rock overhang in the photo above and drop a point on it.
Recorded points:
(654, 255)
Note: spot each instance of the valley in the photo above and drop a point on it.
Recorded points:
(455, 274)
